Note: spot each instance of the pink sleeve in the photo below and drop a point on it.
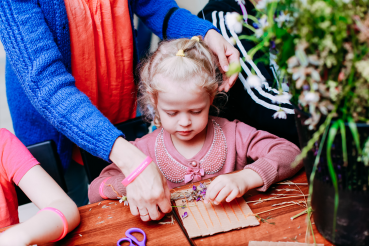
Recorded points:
(14, 157)
(115, 176)
(272, 156)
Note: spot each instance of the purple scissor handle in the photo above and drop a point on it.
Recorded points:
(132, 239)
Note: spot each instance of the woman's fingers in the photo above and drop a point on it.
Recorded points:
(149, 191)
(134, 209)
(226, 54)
(144, 214)
(164, 205)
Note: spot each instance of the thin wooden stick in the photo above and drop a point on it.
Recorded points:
(272, 198)
(208, 214)
(192, 213)
(291, 183)
(275, 194)
(233, 211)
(240, 208)
(215, 213)
(201, 214)
(225, 212)
(275, 209)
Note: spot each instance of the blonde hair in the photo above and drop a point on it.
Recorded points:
(178, 60)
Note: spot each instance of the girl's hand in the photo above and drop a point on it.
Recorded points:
(229, 186)
(148, 195)
(226, 54)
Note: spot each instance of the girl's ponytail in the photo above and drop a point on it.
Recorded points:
(179, 60)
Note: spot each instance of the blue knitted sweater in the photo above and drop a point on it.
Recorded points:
(42, 97)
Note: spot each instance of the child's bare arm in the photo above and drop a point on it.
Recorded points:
(46, 225)
(112, 187)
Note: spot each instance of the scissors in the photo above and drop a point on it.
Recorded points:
(132, 239)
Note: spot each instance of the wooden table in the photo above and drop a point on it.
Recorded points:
(284, 229)
(101, 225)
(106, 222)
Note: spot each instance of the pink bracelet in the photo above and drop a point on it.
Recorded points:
(137, 171)
(65, 223)
(101, 189)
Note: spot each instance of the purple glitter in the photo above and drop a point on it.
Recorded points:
(194, 187)
(198, 199)
(185, 215)
(202, 186)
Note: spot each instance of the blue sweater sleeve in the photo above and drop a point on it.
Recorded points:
(37, 62)
(181, 24)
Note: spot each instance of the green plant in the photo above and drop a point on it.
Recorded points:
(322, 50)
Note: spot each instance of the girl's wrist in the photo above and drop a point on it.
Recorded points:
(253, 179)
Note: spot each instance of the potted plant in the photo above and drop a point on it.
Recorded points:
(322, 50)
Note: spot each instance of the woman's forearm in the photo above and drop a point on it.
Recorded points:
(47, 83)
(126, 156)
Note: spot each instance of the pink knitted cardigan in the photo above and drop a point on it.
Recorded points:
(229, 146)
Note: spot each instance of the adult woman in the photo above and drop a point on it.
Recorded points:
(45, 103)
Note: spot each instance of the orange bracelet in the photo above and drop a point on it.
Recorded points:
(101, 189)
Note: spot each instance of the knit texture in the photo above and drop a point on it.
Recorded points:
(43, 100)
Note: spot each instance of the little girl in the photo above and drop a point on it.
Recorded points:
(177, 88)
(58, 215)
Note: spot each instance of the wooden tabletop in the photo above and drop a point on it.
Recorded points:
(106, 222)
(283, 228)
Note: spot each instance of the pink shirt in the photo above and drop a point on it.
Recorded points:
(15, 161)
(228, 146)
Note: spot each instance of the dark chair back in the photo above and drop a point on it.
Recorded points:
(132, 129)
(46, 154)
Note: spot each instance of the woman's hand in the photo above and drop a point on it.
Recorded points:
(148, 195)
(229, 186)
(226, 54)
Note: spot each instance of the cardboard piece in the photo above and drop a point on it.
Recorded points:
(208, 219)
(264, 243)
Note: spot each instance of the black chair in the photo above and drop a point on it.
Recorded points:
(45, 153)
(132, 129)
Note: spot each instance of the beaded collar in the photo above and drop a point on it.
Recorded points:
(212, 162)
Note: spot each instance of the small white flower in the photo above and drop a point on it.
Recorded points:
(124, 200)
(261, 4)
(259, 32)
(280, 114)
(263, 22)
(311, 97)
(282, 18)
(234, 21)
(284, 97)
(253, 81)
